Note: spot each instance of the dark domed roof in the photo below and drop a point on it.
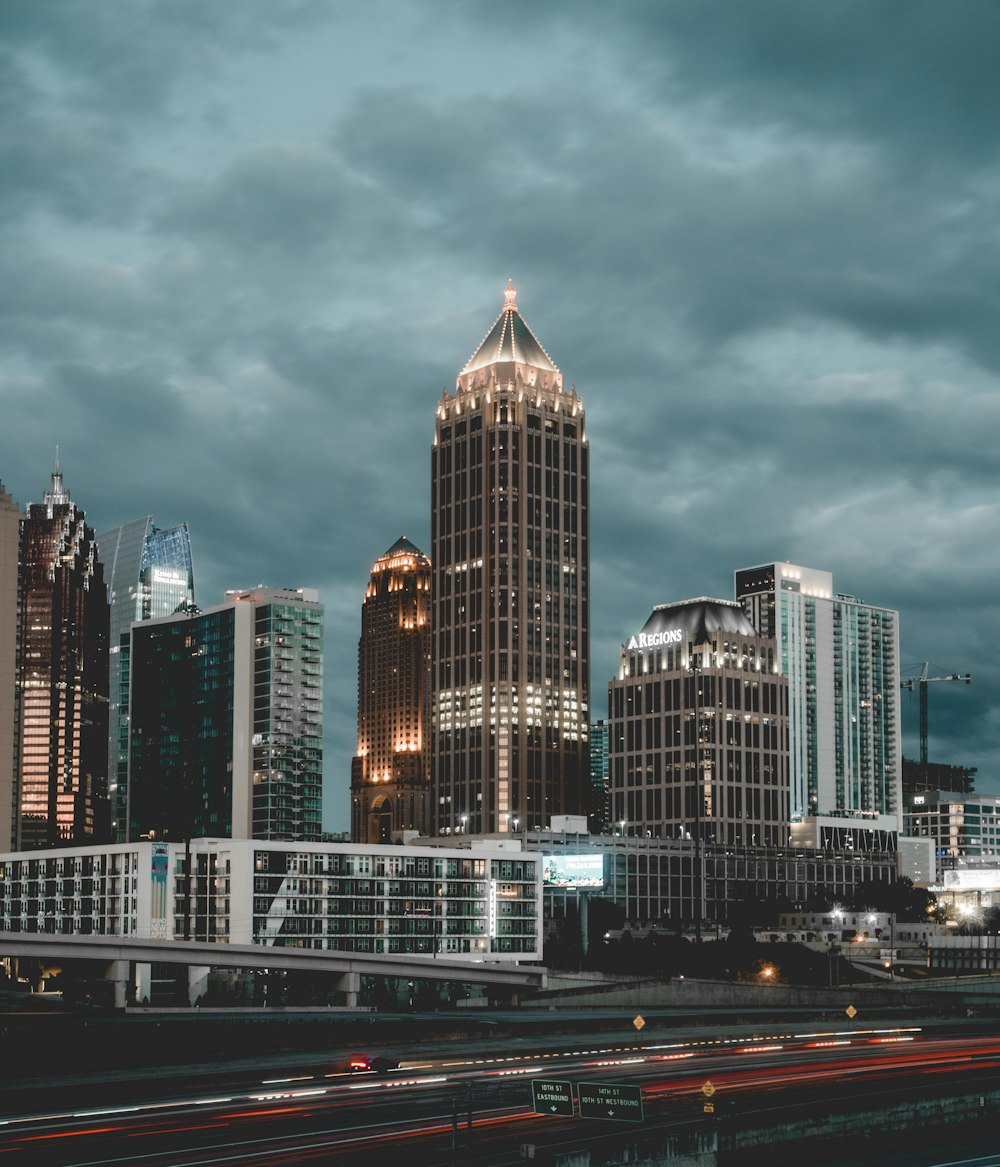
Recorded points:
(697, 618)
(403, 544)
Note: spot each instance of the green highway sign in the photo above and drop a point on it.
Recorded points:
(550, 1096)
(609, 1100)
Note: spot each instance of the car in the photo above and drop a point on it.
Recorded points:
(366, 1064)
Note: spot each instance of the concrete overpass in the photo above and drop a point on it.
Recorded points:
(119, 953)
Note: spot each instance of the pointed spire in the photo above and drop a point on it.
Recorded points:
(57, 494)
(510, 339)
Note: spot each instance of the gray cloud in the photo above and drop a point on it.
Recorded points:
(256, 242)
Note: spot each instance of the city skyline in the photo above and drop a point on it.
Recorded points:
(242, 275)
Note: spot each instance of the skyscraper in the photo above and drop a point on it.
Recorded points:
(389, 773)
(510, 554)
(699, 729)
(149, 573)
(226, 720)
(841, 657)
(62, 677)
(10, 534)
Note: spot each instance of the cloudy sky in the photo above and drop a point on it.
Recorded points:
(247, 245)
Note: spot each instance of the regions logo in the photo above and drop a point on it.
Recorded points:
(656, 639)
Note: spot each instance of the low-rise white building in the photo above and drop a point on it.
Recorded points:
(480, 904)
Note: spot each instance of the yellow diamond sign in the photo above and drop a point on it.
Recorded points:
(851, 1012)
(708, 1089)
(639, 1021)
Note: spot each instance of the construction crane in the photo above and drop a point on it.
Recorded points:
(912, 682)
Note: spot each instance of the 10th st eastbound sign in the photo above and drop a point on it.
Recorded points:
(551, 1096)
(597, 1099)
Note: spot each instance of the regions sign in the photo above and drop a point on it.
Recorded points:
(609, 1100)
(656, 639)
(550, 1096)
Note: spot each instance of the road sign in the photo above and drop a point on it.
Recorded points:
(709, 1108)
(639, 1021)
(609, 1100)
(851, 1012)
(550, 1096)
(708, 1089)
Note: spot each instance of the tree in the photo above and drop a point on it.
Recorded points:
(901, 898)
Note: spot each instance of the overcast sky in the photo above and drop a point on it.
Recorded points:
(247, 244)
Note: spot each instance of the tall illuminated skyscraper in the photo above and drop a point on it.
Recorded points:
(389, 773)
(150, 574)
(62, 684)
(10, 534)
(510, 554)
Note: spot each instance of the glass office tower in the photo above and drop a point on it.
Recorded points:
(225, 725)
(150, 574)
(600, 778)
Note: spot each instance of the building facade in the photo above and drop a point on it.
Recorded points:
(681, 882)
(841, 658)
(10, 535)
(476, 904)
(510, 615)
(150, 574)
(698, 718)
(390, 773)
(226, 720)
(929, 776)
(62, 681)
(962, 825)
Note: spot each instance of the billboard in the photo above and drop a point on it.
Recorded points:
(573, 871)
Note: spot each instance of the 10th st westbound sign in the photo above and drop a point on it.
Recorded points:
(609, 1100)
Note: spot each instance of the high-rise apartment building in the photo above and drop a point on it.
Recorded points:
(226, 720)
(150, 574)
(510, 554)
(62, 683)
(390, 772)
(841, 657)
(698, 718)
(10, 535)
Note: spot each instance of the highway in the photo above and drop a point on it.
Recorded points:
(475, 1106)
